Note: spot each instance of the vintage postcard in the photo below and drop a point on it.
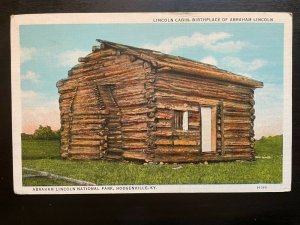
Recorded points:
(151, 102)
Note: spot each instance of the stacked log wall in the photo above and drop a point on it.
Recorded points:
(234, 118)
(88, 127)
(128, 75)
(147, 98)
(67, 91)
(151, 116)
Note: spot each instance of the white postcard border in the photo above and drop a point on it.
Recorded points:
(126, 18)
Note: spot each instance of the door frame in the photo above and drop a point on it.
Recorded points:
(213, 127)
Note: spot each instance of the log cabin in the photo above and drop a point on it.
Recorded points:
(126, 103)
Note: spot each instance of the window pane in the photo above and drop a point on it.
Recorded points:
(178, 116)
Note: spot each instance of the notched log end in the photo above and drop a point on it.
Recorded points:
(154, 63)
(60, 83)
(146, 65)
(151, 114)
(252, 139)
(64, 155)
(82, 59)
(132, 58)
(70, 73)
(252, 110)
(98, 48)
(252, 102)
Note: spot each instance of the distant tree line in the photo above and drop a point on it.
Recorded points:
(43, 133)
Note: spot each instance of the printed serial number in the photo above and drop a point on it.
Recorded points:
(262, 187)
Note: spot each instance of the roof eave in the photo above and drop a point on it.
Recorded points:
(203, 70)
(214, 74)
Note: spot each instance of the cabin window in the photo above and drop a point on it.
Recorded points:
(208, 129)
(181, 120)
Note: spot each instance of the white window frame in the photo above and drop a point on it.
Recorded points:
(185, 121)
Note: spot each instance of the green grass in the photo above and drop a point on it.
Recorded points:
(44, 181)
(270, 146)
(44, 156)
(40, 149)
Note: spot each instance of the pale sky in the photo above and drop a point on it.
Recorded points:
(252, 50)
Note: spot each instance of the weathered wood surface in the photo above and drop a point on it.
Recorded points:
(135, 155)
(146, 91)
(180, 92)
(183, 65)
(202, 89)
(86, 125)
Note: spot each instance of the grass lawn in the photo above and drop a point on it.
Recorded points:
(44, 156)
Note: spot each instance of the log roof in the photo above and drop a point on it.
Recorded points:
(181, 64)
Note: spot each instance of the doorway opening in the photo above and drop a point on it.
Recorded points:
(208, 129)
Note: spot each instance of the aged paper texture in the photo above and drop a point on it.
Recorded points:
(151, 102)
